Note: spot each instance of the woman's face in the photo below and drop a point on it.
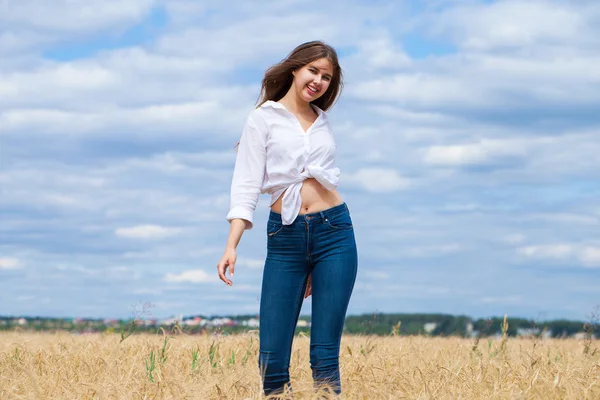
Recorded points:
(312, 80)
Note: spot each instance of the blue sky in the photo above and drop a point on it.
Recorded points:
(468, 138)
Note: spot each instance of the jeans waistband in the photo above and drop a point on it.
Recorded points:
(319, 215)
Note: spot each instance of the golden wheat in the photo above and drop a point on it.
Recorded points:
(176, 366)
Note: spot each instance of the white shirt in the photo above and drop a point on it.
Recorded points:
(276, 154)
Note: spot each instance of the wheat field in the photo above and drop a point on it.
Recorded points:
(180, 366)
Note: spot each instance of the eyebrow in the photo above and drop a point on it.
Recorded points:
(315, 67)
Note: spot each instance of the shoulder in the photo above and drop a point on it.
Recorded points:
(322, 113)
(268, 112)
(257, 119)
(265, 111)
(255, 125)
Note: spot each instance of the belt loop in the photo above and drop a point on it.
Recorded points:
(323, 218)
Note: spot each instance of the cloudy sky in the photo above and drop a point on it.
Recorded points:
(468, 138)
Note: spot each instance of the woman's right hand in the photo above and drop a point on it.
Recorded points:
(228, 260)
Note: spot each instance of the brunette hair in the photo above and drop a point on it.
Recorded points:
(278, 78)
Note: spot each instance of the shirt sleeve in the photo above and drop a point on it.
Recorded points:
(248, 173)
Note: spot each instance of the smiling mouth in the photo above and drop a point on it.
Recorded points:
(311, 90)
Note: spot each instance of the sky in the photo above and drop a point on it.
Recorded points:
(468, 138)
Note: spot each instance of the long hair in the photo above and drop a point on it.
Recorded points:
(279, 78)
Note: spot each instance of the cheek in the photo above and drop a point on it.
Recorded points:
(300, 81)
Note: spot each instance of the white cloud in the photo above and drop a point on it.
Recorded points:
(20, 41)
(484, 151)
(159, 119)
(433, 250)
(514, 238)
(508, 58)
(565, 218)
(514, 23)
(461, 207)
(9, 263)
(147, 232)
(377, 180)
(251, 263)
(191, 276)
(514, 299)
(150, 291)
(590, 256)
(419, 90)
(381, 53)
(72, 16)
(273, 33)
(559, 250)
(587, 255)
(96, 144)
(529, 158)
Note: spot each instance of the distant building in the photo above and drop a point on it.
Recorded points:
(169, 321)
(528, 332)
(221, 322)
(430, 327)
(469, 329)
(111, 322)
(196, 321)
(583, 336)
(252, 323)
(547, 334)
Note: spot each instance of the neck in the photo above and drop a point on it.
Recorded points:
(295, 103)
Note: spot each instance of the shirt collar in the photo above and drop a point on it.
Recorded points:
(274, 104)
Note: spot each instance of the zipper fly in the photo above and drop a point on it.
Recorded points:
(307, 240)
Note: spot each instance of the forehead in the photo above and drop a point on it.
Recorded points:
(323, 64)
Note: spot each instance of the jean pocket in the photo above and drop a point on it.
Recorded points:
(340, 222)
(273, 228)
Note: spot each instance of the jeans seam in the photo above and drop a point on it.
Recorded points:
(276, 232)
(345, 228)
(307, 241)
(341, 228)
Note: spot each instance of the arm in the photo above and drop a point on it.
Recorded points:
(229, 258)
(248, 174)
(246, 185)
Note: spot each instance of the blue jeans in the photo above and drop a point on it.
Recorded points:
(321, 244)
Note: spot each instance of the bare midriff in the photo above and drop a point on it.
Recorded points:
(314, 197)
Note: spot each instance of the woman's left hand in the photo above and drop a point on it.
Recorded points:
(308, 291)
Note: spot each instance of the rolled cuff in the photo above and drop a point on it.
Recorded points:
(239, 212)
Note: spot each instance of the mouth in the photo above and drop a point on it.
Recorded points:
(311, 90)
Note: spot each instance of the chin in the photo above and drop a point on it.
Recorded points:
(308, 98)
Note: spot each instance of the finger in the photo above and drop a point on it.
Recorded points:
(222, 268)
(231, 268)
(221, 276)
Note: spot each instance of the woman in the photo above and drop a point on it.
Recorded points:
(287, 149)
